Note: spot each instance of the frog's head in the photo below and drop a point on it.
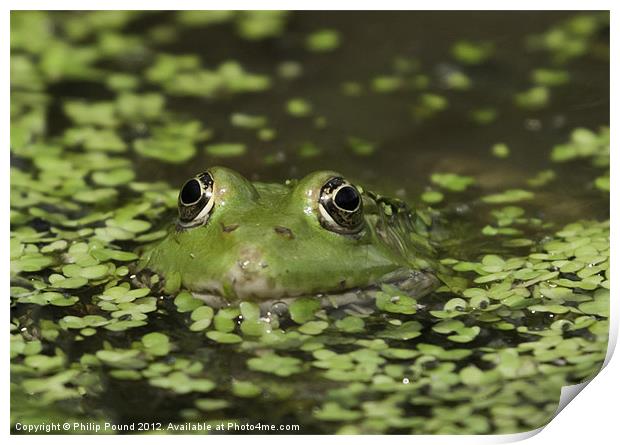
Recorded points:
(246, 240)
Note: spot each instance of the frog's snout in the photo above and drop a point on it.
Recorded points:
(250, 240)
(249, 276)
(251, 261)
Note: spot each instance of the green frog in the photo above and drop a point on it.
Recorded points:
(321, 235)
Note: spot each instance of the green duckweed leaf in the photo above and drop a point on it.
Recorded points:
(226, 150)
(245, 389)
(113, 178)
(302, 310)
(350, 324)
(181, 383)
(360, 146)
(535, 98)
(275, 364)
(323, 40)
(432, 197)
(298, 107)
(124, 359)
(223, 337)
(599, 305)
(211, 404)
(500, 150)
(313, 327)
(391, 300)
(451, 181)
(406, 331)
(202, 317)
(185, 302)
(472, 53)
(514, 195)
(156, 343)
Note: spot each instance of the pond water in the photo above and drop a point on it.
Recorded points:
(498, 121)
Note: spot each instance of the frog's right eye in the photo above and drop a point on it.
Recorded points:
(340, 207)
(196, 200)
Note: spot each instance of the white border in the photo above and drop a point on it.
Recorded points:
(455, 5)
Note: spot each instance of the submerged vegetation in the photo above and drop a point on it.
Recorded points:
(111, 111)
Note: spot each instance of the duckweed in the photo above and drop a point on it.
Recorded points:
(513, 195)
(570, 39)
(432, 196)
(535, 98)
(500, 150)
(429, 104)
(275, 364)
(472, 53)
(483, 116)
(549, 77)
(298, 107)
(324, 40)
(451, 181)
(226, 150)
(361, 147)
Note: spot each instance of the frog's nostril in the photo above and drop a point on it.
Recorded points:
(284, 231)
(229, 228)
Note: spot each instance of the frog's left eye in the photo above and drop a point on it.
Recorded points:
(196, 200)
(340, 207)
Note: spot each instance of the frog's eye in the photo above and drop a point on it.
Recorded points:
(196, 200)
(340, 207)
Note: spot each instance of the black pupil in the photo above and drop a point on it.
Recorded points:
(347, 198)
(191, 192)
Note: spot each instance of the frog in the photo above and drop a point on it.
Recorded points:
(238, 240)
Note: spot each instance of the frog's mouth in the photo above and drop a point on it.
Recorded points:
(411, 282)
